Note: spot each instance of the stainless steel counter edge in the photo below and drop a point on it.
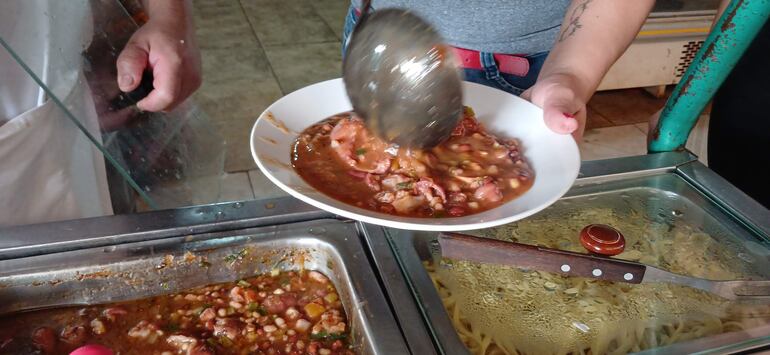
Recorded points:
(597, 171)
(406, 311)
(741, 341)
(734, 201)
(437, 320)
(29, 240)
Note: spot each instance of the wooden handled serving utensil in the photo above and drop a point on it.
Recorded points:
(492, 251)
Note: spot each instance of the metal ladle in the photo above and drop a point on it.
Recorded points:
(402, 79)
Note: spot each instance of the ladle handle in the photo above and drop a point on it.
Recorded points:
(485, 250)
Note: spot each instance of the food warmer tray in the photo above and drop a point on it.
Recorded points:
(671, 182)
(140, 269)
(64, 262)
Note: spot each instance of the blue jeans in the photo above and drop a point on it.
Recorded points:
(489, 76)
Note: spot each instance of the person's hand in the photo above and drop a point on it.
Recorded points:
(168, 48)
(563, 109)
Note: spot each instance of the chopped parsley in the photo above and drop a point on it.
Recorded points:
(221, 340)
(275, 266)
(404, 185)
(323, 335)
(198, 311)
(360, 151)
(232, 258)
(284, 281)
(244, 283)
(225, 341)
(255, 307)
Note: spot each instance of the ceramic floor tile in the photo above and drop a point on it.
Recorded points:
(333, 12)
(643, 127)
(595, 119)
(204, 190)
(262, 186)
(187, 192)
(697, 142)
(300, 65)
(612, 142)
(287, 22)
(222, 24)
(222, 65)
(236, 187)
(237, 86)
(622, 107)
(172, 194)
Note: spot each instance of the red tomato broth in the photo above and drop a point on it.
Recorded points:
(471, 172)
(286, 313)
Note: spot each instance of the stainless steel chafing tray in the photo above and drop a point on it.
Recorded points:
(387, 294)
(664, 187)
(152, 267)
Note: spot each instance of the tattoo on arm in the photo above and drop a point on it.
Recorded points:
(574, 20)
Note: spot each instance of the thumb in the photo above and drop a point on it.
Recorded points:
(131, 63)
(560, 114)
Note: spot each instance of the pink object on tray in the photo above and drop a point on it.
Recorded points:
(92, 349)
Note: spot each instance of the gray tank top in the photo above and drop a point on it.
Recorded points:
(499, 26)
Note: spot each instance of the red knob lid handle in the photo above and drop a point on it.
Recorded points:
(602, 239)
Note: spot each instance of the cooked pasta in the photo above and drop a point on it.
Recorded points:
(504, 310)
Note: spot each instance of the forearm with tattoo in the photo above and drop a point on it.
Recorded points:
(574, 20)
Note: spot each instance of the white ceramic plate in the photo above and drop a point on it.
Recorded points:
(554, 157)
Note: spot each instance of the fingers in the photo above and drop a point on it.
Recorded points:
(167, 82)
(580, 117)
(561, 111)
(175, 67)
(131, 63)
(564, 108)
(559, 121)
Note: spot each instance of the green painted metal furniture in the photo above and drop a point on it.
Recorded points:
(729, 39)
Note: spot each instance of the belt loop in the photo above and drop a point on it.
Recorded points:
(490, 67)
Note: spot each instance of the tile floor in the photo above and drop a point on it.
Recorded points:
(255, 51)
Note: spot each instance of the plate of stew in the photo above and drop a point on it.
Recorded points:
(500, 164)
